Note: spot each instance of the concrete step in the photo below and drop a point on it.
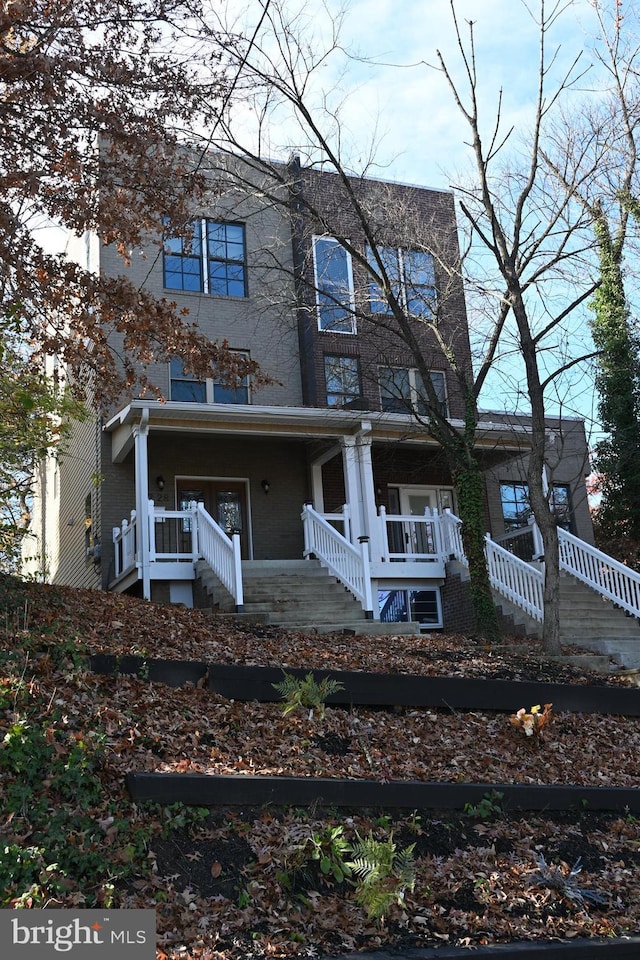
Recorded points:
(624, 652)
(363, 628)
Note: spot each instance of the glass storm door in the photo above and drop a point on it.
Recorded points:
(225, 501)
(414, 501)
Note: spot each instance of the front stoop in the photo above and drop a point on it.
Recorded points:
(296, 595)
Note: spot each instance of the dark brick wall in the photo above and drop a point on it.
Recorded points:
(400, 216)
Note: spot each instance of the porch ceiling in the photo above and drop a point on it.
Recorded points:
(295, 422)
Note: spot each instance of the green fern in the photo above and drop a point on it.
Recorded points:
(306, 693)
(383, 874)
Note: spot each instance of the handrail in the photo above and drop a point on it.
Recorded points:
(125, 545)
(221, 552)
(515, 579)
(602, 573)
(341, 558)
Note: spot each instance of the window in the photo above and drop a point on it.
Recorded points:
(226, 259)
(186, 389)
(516, 508)
(184, 386)
(183, 261)
(413, 279)
(419, 606)
(561, 505)
(402, 390)
(334, 286)
(342, 378)
(217, 266)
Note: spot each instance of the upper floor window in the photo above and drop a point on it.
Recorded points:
(182, 261)
(412, 277)
(342, 378)
(402, 390)
(334, 286)
(516, 506)
(212, 260)
(185, 388)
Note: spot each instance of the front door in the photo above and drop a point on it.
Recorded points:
(224, 500)
(414, 501)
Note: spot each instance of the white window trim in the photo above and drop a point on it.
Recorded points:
(352, 301)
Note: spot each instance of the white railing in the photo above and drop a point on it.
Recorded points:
(602, 573)
(410, 537)
(346, 562)
(515, 579)
(452, 537)
(221, 552)
(171, 534)
(125, 545)
(341, 521)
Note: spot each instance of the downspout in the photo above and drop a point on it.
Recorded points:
(305, 311)
(141, 465)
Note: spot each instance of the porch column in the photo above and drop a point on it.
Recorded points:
(350, 457)
(141, 461)
(371, 527)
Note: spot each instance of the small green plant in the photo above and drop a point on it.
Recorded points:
(488, 808)
(306, 693)
(564, 881)
(329, 847)
(382, 874)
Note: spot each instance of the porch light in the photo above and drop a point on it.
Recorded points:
(266, 486)
(160, 482)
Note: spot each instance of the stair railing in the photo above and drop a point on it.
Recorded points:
(125, 545)
(511, 577)
(346, 562)
(609, 577)
(515, 579)
(221, 552)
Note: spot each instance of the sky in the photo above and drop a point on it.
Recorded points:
(391, 94)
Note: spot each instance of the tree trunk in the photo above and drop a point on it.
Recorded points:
(470, 487)
(537, 493)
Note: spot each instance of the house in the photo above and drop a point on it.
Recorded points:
(165, 498)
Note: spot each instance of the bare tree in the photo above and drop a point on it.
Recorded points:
(595, 160)
(532, 236)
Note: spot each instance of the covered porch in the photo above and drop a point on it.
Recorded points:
(366, 494)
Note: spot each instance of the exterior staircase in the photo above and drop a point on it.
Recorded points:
(296, 595)
(590, 621)
(587, 620)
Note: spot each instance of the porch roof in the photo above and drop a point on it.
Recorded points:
(295, 422)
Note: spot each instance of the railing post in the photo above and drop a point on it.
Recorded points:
(117, 546)
(538, 545)
(438, 538)
(346, 513)
(237, 572)
(151, 517)
(306, 530)
(195, 532)
(384, 533)
(366, 575)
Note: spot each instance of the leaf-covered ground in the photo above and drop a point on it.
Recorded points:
(275, 882)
